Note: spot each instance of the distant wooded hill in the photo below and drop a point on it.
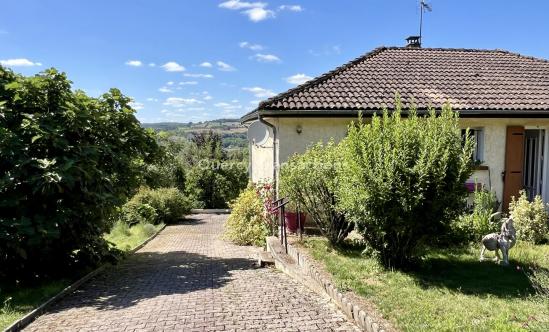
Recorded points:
(233, 134)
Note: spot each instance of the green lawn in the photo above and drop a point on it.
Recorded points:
(15, 303)
(451, 291)
(126, 238)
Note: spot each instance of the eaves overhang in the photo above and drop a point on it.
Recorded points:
(467, 113)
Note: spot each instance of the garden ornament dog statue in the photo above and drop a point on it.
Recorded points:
(503, 241)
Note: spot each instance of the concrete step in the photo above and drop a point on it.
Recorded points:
(265, 259)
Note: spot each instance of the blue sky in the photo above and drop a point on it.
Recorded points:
(193, 60)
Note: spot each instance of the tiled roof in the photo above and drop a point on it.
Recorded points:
(469, 79)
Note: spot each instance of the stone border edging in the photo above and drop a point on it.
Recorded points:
(298, 267)
(210, 211)
(22, 322)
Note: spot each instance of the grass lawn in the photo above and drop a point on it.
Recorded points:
(451, 291)
(126, 238)
(16, 303)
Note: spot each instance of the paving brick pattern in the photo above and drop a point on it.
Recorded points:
(189, 279)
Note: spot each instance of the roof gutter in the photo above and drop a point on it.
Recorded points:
(275, 182)
(354, 113)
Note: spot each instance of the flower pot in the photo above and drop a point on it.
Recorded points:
(291, 221)
(472, 187)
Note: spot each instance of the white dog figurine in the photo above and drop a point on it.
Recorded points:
(503, 241)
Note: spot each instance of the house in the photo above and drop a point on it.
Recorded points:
(502, 96)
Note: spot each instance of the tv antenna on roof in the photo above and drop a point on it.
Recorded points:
(423, 6)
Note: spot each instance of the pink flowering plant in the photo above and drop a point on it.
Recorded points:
(266, 192)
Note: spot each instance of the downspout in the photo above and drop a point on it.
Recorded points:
(275, 182)
(250, 152)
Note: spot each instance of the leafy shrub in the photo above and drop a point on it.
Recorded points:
(135, 212)
(165, 174)
(310, 180)
(246, 225)
(266, 192)
(214, 185)
(530, 218)
(402, 180)
(199, 167)
(169, 205)
(473, 226)
(67, 162)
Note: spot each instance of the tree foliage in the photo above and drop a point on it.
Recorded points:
(212, 177)
(66, 162)
(403, 180)
(310, 180)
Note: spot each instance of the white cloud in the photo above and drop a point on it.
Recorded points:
(181, 102)
(207, 97)
(137, 106)
(152, 99)
(237, 4)
(266, 58)
(253, 47)
(173, 67)
(227, 106)
(22, 62)
(259, 14)
(206, 64)
(134, 63)
(298, 79)
(260, 92)
(165, 90)
(257, 11)
(292, 8)
(224, 66)
(188, 83)
(198, 75)
(170, 83)
(152, 64)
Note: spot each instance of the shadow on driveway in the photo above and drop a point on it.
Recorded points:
(148, 275)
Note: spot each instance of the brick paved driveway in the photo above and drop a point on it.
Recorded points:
(188, 279)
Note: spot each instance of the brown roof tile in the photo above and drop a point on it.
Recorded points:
(469, 79)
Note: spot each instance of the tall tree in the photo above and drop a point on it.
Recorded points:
(66, 162)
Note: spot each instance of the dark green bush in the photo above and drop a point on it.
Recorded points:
(134, 212)
(67, 162)
(212, 178)
(310, 180)
(403, 180)
(169, 205)
(214, 183)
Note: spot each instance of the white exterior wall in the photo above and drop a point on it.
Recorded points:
(289, 141)
(261, 165)
(495, 131)
(313, 130)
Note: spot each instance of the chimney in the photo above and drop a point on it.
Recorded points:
(414, 42)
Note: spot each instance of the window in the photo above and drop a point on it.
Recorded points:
(477, 134)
